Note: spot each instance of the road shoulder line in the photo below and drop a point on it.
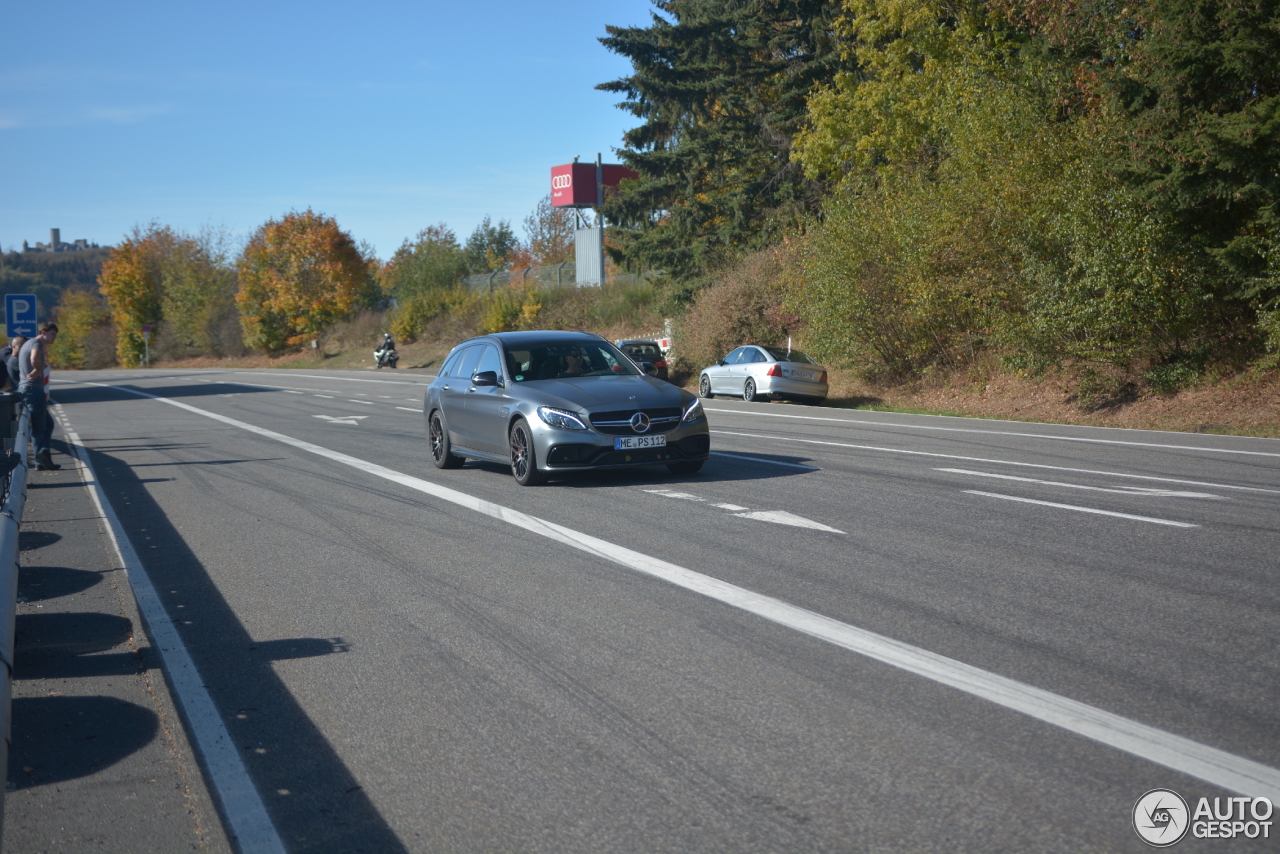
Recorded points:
(248, 824)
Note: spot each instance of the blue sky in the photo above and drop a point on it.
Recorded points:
(387, 116)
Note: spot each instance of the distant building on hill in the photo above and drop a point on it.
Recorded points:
(55, 244)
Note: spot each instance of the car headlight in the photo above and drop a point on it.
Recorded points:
(693, 413)
(560, 418)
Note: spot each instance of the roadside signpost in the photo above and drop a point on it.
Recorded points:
(20, 315)
(146, 344)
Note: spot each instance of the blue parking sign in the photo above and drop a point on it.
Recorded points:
(20, 315)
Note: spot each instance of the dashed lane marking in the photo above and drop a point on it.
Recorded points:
(1140, 491)
(1080, 509)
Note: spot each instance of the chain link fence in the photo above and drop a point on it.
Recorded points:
(547, 278)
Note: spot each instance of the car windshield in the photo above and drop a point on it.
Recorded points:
(550, 360)
(782, 354)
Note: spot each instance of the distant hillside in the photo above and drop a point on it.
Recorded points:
(48, 274)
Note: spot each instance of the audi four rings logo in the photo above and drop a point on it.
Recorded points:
(562, 182)
(640, 422)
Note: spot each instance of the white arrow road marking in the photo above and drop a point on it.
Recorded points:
(349, 420)
(1122, 490)
(780, 517)
(671, 493)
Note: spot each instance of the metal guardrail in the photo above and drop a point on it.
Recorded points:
(10, 521)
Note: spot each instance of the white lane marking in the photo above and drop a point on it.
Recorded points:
(325, 396)
(1142, 491)
(782, 517)
(250, 827)
(291, 391)
(365, 402)
(999, 462)
(408, 409)
(670, 493)
(1231, 772)
(734, 456)
(1079, 509)
(351, 379)
(350, 420)
(891, 424)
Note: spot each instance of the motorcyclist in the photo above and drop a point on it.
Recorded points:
(386, 352)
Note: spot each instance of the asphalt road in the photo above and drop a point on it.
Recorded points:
(851, 631)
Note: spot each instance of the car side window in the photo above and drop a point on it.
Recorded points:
(732, 358)
(451, 364)
(754, 355)
(467, 365)
(489, 361)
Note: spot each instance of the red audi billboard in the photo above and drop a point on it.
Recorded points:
(574, 184)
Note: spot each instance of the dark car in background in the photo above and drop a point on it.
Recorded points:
(642, 350)
(548, 402)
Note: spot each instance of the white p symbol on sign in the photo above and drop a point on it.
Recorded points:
(21, 306)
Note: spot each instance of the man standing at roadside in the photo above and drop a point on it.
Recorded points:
(32, 359)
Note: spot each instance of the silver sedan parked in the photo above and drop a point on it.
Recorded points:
(547, 402)
(775, 373)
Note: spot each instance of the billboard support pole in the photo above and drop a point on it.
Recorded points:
(600, 210)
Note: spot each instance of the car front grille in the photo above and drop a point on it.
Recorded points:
(618, 422)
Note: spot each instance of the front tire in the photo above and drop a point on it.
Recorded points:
(524, 459)
(441, 449)
(704, 387)
(685, 467)
(749, 391)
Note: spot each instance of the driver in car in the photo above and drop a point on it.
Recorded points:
(574, 364)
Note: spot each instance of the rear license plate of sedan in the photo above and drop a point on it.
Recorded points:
(631, 443)
(802, 375)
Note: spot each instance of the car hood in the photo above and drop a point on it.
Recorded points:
(603, 393)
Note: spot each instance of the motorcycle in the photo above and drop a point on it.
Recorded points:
(385, 358)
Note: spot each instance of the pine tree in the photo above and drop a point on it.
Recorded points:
(720, 87)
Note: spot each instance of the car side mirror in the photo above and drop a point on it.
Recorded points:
(648, 368)
(719, 363)
(484, 378)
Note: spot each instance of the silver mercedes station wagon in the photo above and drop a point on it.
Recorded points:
(548, 402)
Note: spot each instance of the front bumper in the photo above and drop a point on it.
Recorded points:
(562, 450)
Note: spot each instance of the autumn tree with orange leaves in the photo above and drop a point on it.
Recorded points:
(297, 276)
(130, 280)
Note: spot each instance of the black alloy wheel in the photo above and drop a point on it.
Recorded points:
(441, 452)
(524, 462)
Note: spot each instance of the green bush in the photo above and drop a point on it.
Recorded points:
(747, 303)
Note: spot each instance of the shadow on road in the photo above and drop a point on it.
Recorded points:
(313, 799)
(39, 584)
(98, 394)
(720, 468)
(61, 738)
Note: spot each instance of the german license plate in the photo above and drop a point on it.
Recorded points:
(631, 443)
(802, 375)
